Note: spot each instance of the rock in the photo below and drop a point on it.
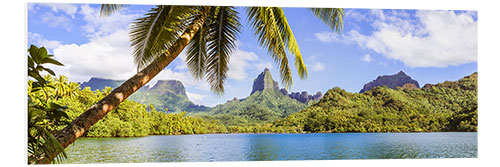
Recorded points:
(427, 86)
(304, 97)
(284, 91)
(169, 85)
(317, 96)
(391, 81)
(409, 86)
(264, 81)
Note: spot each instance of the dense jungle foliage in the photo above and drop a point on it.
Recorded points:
(128, 119)
(448, 106)
(261, 107)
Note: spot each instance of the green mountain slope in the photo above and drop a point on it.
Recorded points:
(265, 104)
(448, 106)
(262, 106)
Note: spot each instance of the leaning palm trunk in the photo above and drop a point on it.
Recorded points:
(97, 111)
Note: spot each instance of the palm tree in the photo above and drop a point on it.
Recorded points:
(209, 33)
(61, 86)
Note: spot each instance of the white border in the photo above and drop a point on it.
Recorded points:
(13, 66)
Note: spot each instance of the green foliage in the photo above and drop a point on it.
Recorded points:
(444, 107)
(449, 106)
(129, 119)
(259, 108)
(155, 33)
(43, 114)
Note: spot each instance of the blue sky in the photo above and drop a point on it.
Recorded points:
(430, 46)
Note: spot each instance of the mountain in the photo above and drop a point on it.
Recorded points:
(303, 96)
(391, 81)
(266, 102)
(100, 83)
(447, 106)
(169, 94)
(264, 81)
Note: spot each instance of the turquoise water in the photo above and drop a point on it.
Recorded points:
(264, 147)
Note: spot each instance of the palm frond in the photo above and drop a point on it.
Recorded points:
(272, 31)
(333, 17)
(291, 43)
(197, 52)
(108, 9)
(153, 34)
(222, 30)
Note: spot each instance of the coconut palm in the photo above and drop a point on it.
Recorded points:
(209, 33)
(61, 86)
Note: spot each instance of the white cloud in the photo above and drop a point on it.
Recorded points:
(40, 41)
(327, 37)
(57, 21)
(353, 14)
(182, 56)
(101, 26)
(196, 98)
(239, 63)
(367, 58)
(107, 54)
(111, 57)
(318, 66)
(106, 57)
(69, 9)
(433, 39)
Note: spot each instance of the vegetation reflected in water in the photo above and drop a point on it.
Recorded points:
(263, 147)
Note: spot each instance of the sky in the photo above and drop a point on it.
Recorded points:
(431, 46)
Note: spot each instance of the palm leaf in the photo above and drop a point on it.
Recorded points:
(108, 9)
(290, 42)
(333, 17)
(222, 29)
(269, 25)
(197, 52)
(154, 33)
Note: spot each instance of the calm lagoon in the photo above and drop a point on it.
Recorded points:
(265, 147)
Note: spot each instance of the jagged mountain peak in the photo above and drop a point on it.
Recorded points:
(264, 81)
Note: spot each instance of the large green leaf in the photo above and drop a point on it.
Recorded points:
(51, 61)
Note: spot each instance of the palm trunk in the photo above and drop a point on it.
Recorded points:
(97, 111)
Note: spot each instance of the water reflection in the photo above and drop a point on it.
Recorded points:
(265, 147)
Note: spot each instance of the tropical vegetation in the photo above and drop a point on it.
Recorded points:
(448, 106)
(43, 113)
(209, 33)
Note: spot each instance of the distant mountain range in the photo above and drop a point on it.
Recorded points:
(170, 95)
(165, 95)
